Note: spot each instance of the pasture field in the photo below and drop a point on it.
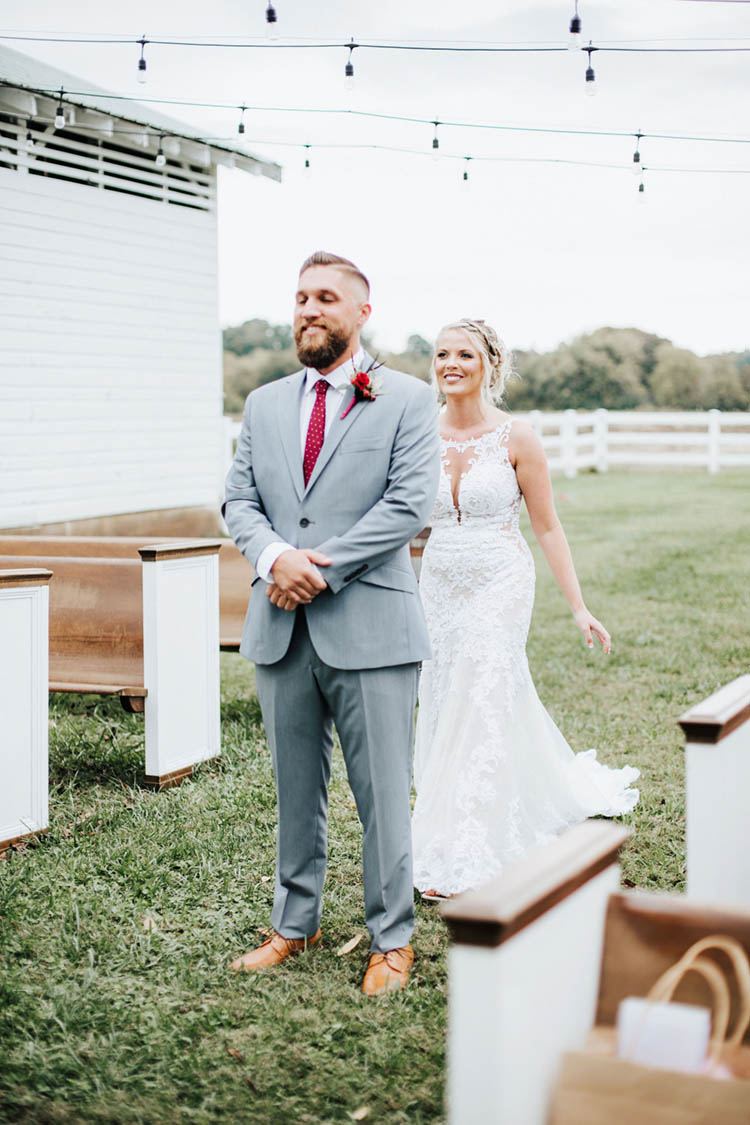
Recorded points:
(116, 1004)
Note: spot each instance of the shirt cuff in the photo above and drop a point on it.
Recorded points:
(268, 557)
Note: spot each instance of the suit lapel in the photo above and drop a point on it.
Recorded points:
(289, 408)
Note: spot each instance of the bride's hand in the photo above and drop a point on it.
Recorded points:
(589, 625)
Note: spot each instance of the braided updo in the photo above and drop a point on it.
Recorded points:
(496, 357)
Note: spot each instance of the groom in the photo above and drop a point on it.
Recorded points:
(330, 482)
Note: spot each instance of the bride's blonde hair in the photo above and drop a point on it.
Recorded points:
(496, 357)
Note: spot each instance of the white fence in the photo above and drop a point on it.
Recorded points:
(601, 439)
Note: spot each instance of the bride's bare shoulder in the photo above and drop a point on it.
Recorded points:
(523, 441)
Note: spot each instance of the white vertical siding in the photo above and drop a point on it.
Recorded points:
(110, 353)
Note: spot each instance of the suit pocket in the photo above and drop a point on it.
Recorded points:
(392, 578)
(363, 444)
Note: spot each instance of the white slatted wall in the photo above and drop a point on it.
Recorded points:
(110, 349)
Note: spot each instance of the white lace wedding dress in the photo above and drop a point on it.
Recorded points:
(494, 775)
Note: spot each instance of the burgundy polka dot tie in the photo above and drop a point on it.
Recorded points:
(316, 431)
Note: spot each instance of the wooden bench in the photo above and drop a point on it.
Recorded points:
(717, 769)
(235, 573)
(546, 952)
(146, 630)
(24, 784)
(522, 975)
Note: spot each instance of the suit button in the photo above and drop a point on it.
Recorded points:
(304, 522)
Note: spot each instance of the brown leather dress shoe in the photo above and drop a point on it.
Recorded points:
(389, 971)
(273, 951)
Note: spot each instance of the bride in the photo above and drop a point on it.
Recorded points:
(494, 775)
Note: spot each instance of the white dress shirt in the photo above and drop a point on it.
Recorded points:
(339, 380)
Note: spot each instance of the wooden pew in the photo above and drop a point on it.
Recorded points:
(717, 768)
(146, 630)
(24, 778)
(235, 573)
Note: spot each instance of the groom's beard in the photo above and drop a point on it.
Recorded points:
(325, 352)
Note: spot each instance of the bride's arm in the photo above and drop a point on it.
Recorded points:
(527, 457)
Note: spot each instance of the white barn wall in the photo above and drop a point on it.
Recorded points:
(110, 353)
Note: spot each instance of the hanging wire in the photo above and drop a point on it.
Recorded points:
(453, 48)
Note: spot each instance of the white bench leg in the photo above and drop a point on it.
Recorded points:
(24, 703)
(181, 659)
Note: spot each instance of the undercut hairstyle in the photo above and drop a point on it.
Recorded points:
(323, 258)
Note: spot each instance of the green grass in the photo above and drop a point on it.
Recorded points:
(117, 926)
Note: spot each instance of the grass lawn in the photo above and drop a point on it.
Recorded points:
(117, 926)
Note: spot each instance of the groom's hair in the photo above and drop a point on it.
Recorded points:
(323, 258)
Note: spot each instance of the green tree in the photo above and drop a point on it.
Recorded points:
(676, 379)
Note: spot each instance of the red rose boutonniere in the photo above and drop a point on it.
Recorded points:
(366, 389)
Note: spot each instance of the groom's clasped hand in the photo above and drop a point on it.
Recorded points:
(296, 578)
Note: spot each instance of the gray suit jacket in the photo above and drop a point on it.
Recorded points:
(372, 489)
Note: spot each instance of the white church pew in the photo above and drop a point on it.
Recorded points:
(148, 632)
(24, 775)
(717, 766)
(523, 975)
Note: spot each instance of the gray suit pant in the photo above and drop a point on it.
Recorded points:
(373, 708)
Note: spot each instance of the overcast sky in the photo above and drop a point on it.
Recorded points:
(543, 251)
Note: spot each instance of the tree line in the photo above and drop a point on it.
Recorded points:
(617, 368)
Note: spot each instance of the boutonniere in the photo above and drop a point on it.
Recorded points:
(366, 389)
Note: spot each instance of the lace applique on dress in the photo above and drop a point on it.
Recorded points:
(494, 775)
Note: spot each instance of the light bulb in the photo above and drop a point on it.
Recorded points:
(241, 126)
(574, 38)
(590, 82)
(637, 167)
(435, 148)
(272, 30)
(29, 142)
(60, 117)
(161, 159)
(349, 76)
(141, 72)
(641, 190)
(306, 167)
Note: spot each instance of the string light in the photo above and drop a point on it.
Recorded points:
(574, 41)
(29, 138)
(142, 61)
(349, 69)
(271, 28)
(637, 155)
(489, 125)
(642, 186)
(241, 126)
(161, 159)
(436, 143)
(590, 76)
(465, 177)
(306, 166)
(60, 112)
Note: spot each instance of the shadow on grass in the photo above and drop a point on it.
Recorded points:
(93, 741)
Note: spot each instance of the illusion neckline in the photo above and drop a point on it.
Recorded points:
(475, 440)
